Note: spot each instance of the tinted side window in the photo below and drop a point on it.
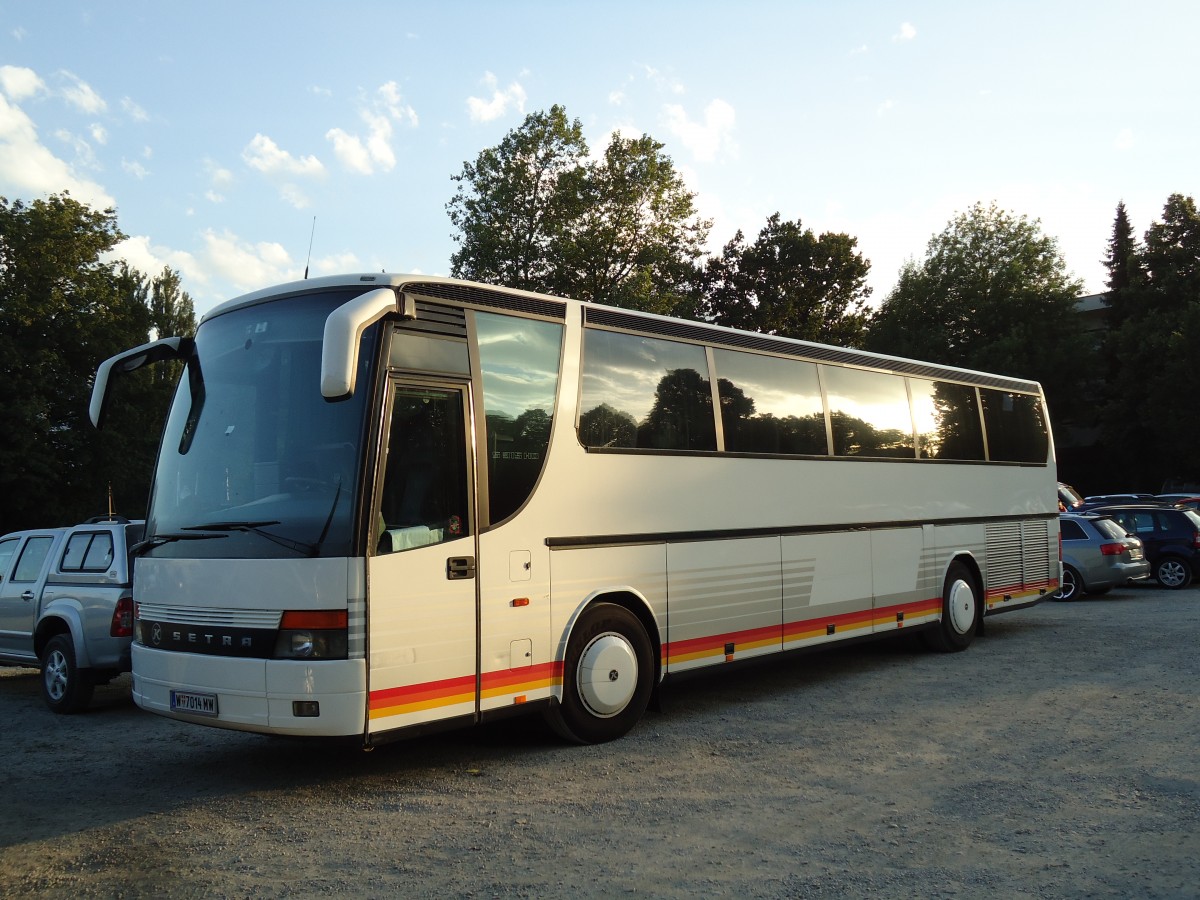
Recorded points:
(1071, 531)
(7, 549)
(947, 419)
(770, 405)
(645, 393)
(519, 361)
(29, 566)
(1016, 428)
(869, 413)
(1109, 529)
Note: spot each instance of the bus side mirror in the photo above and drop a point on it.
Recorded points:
(130, 361)
(343, 331)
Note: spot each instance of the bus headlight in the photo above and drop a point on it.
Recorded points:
(307, 634)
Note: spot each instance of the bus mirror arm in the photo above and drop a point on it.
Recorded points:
(343, 331)
(130, 361)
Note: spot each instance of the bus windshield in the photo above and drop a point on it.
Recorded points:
(254, 462)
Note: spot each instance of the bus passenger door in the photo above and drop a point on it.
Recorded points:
(421, 584)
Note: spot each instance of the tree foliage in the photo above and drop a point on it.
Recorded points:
(789, 282)
(992, 293)
(536, 213)
(512, 205)
(1149, 422)
(65, 307)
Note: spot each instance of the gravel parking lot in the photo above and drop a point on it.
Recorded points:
(1058, 757)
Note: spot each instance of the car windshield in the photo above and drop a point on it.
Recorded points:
(254, 461)
(1109, 529)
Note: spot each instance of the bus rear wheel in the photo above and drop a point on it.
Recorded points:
(607, 676)
(960, 612)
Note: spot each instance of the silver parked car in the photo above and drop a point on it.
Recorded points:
(1098, 555)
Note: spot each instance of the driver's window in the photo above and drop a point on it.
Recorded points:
(424, 497)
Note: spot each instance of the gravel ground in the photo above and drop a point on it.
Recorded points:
(1055, 758)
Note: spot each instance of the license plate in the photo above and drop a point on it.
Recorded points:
(194, 703)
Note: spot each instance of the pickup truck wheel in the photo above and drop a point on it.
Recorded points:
(65, 687)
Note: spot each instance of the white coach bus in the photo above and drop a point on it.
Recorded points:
(387, 502)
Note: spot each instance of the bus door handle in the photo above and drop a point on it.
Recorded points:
(458, 567)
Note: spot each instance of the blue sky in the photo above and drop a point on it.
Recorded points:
(219, 130)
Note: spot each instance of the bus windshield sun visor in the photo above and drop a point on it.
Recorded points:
(344, 328)
(130, 361)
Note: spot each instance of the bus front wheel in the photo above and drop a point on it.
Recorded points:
(607, 676)
(960, 612)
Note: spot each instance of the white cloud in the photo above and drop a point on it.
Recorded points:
(134, 168)
(907, 33)
(247, 266)
(99, 133)
(151, 260)
(264, 154)
(336, 264)
(134, 111)
(388, 95)
(213, 197)
(665, 83)
(860, 49)
(488, 110)
(350, 150)
(1124, 139)
(364, 155)
(704, 139)
(27, 167)
(20, 83)
(616, 98)
(80, 94)
(885, 107)
(218, 175)
(293, 195)
(85, 158)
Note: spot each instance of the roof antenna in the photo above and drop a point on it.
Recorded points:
(310, 243)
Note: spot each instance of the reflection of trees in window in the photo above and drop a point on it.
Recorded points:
(1016, 427)
(682, 415)
(680, 419)
(746, 432)
(853, 436)
(519, 361)
(605, 426)
(516, 451)
(957, 433)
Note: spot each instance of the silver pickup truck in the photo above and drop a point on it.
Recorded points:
(66, 606)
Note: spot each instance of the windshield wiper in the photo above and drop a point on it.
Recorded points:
(166, 538)
(254, 528)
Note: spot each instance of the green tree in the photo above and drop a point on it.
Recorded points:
(789, 282)
(172, 314)
(992, 293)
(535, 213)
(1149, 421)
(634, 235)
(510, 207)
(65, 307)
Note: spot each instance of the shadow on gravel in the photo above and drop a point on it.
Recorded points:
(115, 764)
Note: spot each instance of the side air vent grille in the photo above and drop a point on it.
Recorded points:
(478, 296)
(434, 318)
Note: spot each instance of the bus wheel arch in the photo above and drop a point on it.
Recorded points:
(962, 607)
(610, 669)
